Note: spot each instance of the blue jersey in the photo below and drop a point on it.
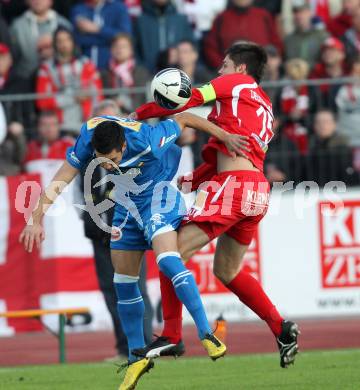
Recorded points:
(145, 205)
(151, 155)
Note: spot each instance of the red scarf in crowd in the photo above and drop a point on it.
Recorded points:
(122, 72)
(321, 9)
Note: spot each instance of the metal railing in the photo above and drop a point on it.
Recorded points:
(295, 166)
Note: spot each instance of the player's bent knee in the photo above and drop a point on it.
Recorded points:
(219, 272)
(185, 255)
(223, 273)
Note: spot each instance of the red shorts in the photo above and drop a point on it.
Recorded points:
(232, 202)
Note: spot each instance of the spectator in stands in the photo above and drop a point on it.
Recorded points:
(351, 37)
(339, 24)
(273, 73)
(4, 32)
(134, 7)
(331, 65)
(3, 129)
(72, 79)
(167, 58)
(201, 13)
(330, 157)
(12, 9)
(159, 27)
(187, 60)
(240, 21)
(305, 42)
(64, 7)
(348, 103)
(283, 160)
(45, 49)
(100, 241)
(12, 148)
(96, 23)
(30, 30)
(125, 72)
(273, 6)
(322, 12)
(48, 144)
(295, 104)
(10, 83)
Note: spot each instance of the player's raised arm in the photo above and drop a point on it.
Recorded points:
(199, 96)
(235, 143)
(34, 232)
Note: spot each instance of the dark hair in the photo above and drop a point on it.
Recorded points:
(250, 54)
(108, 135)
(47, 114)
(60, 29)
(126, 36)
(189, 42)
(163, 59)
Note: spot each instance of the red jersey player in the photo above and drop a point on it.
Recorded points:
(233, 196)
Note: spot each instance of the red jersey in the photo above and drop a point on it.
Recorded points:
(54, 151)
(241, 107)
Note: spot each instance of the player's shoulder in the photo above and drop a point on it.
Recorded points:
(127, 123)
(229, 81)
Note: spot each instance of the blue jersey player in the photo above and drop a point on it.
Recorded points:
(142, 161)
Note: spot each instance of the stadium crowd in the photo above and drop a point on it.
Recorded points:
(74, 53)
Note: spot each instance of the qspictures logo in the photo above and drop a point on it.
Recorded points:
(340, 244)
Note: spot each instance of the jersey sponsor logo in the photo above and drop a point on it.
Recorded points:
(116, 233)
(93, 122)
(165, 140)
(340, 244)
(128, 123)
(255, 202)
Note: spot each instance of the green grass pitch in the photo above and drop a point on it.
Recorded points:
(338, 370)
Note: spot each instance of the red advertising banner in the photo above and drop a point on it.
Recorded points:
(201, 264)
(340, 244)
(26, 277)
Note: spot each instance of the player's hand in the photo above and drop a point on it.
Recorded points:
(133, 116)
(30, 235)
(236, 144)
(180, 181)
(185, 189)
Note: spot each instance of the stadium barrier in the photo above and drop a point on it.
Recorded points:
(306, 254)
(63, 314)
(297, 166)
(308, 264)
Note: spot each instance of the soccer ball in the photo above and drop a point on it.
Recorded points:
(171, 88)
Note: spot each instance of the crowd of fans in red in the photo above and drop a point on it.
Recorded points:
(72, 53)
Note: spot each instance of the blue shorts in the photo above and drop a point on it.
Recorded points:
(136, 224)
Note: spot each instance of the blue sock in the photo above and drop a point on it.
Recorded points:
(131, 310)
(186, 289)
